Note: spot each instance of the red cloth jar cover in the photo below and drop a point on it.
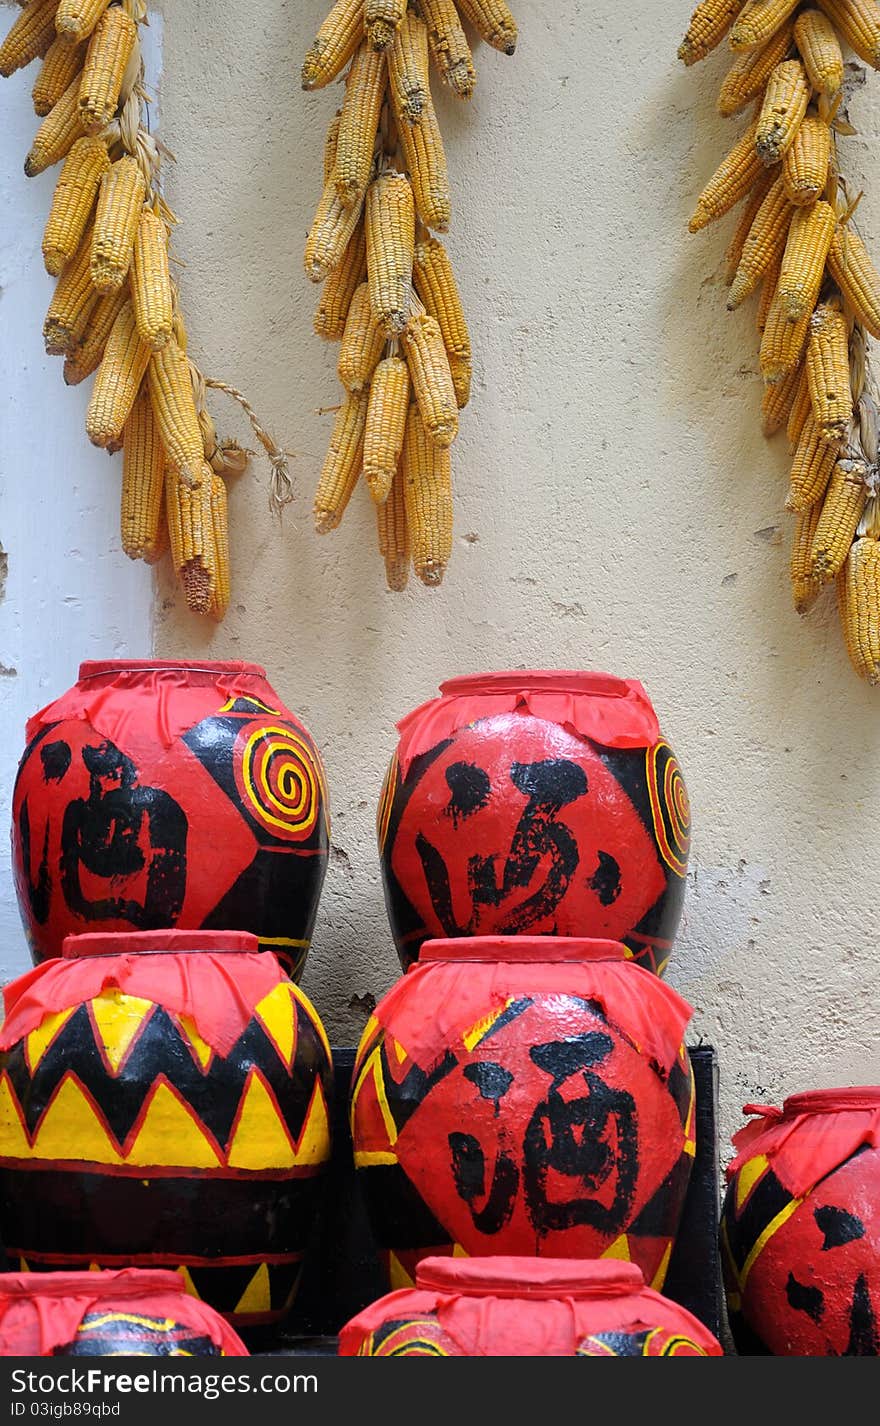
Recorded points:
(528, 1096)
(183, 795)
(800, 1231)
(130, 1312)
(526, 1307)
(541, 803)
(164, 1102)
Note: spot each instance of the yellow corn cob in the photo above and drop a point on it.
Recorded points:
(330, 233)
(340, 288)
(381, 19)
(858, 593)
(386, 425)
(220, 530)
(143, 482)
(364, 92)
(57, 134)
(90, 335)
(362, 343)
(331, 144)
(768, 292)
(118, 381)
(842, 509)
(856, 276)
(492, 21)
(393, 533)
(748, 75)
(805, 587)
(709, 24)
(334, 44)
(60, 67)
(819, 48)
(461, 372)
(814, 460)
(110, 48)
(174, 404)
(427, 480)
(75, 19)
(758, 21)
(73, 201)
(391, 230)
(777, 402)
(803, 261)
(151, 281)
(30, 36)
(800, 410)
(785, 104)
(342, 464)
(417, 124)
(730, 182)
(764, 245)
(190, 518)
(828, 372)
(858, 23)
(432, 379)
(435, 283)
(747, 218)
(72, 300)
(449, 47)
(805, 166)
(120, 204)
(782, 342)
(408, 76)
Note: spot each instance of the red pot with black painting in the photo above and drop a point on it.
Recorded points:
(535, 803)
(133, 1312)
(526, 1307)
(527, 1096)
(800, 1227)
(158, 794)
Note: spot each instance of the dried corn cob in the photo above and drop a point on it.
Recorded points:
(382, 18)
(90, 334)
(72, 300)
(142, 514)
(191, 535)
(449, 47)
(118, 381)
(73, 201)
(768, 292)
(730, 182)
(842, 509)
(426, 161)
(390, 230)
(748, 75)
(858, 23)
(814, 460)
(120, 204)
(785, 104)
(492, 21)
(220, 531)
(151, 281)
(800, 410)
(342, 464)
(31, 35)
(709, 24)
(819, 48)
(805, 587)
(60, 67)
(758, 21)
(57, 134)
(782, 342)
(386, 425)
(764, 245)
(171, 393)
(828, 372)
(340, 288)
(331, 145)
(362, 343)
(461, 371)
(858, 592)
(408, 77)
(777, 402)
(75, 19)
(856, 276)
(805, 166)
(334, 44)
(427, 480)
(431, 379)
(109, 51)
(747, 218)
(393, 533)
(330, 233)
(803, 261)
(435, 283)
(364, 92)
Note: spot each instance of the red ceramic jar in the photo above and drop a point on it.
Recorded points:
(109, 1314)
(800, 1229)
(164, 1101)
(527, 1096)
(526, 1307)
(539, 803)
(159, 794)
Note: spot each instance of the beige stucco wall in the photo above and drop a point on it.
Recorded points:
(617, 506)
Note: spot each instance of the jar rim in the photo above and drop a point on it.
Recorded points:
(519, 949)
(557, 680)
(155, 943)
(533, 1278)
(830, 1101)
(97, 668)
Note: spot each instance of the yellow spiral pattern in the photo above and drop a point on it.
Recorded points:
(283, 780)
(670, 806)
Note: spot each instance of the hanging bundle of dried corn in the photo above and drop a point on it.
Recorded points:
(797, 243)
(115, 308)
(390, 296)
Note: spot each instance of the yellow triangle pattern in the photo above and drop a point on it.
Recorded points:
(200, 1048)
(659, 1277)
(119, 1019)
(277, 1014)
(257, 1296)
(38, 1041)
(748, 1176)
(170, 1136)
(397, 1273)
(71, 1129)
(260, 1140)
(619, 1249)
(188, 1283)
(458, 1251)
(314, 1142)
(478, 1032)
(14, 1142)
(313, 1016)
(400, 1053)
